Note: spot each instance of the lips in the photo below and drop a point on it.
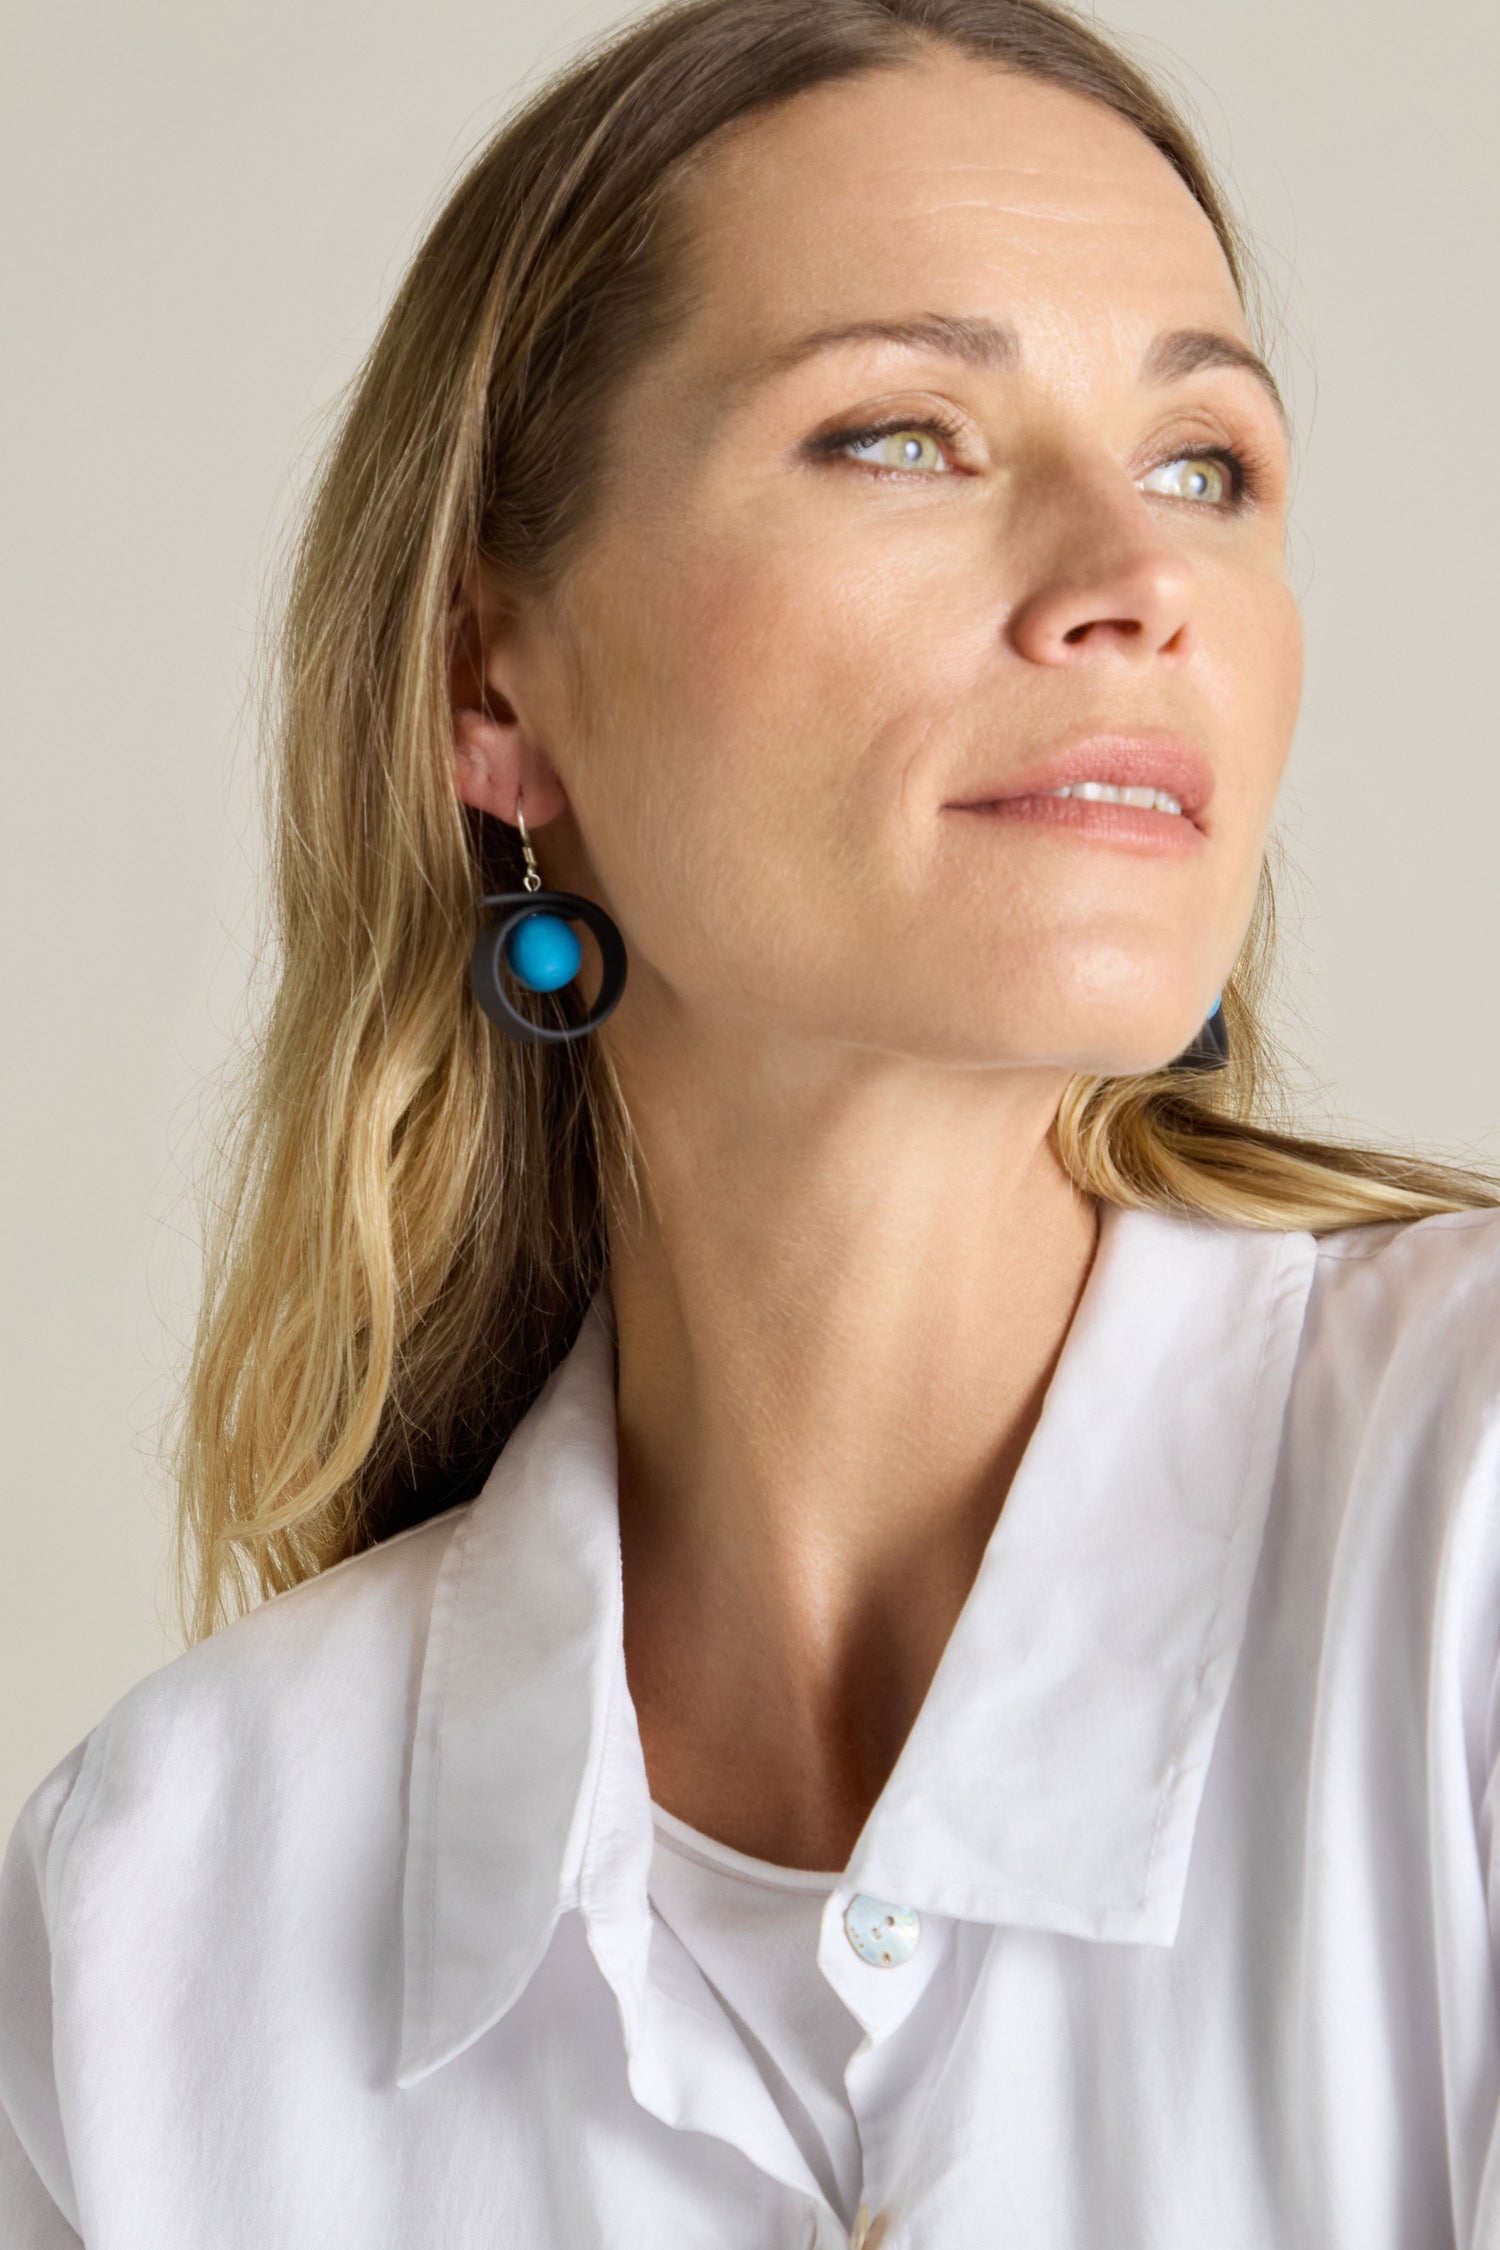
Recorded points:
(1153, 760)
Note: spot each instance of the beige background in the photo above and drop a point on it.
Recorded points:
(209, 207)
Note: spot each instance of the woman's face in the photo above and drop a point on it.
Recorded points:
(797, 652)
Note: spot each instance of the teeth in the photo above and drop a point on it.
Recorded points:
(1110, 793)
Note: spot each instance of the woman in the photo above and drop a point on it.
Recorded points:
(884, 1598)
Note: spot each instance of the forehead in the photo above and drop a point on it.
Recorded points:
(948, 184)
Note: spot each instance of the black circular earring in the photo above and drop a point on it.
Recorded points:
(533, 942)
(1210, 1049)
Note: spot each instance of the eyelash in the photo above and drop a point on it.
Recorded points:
(1243, 482)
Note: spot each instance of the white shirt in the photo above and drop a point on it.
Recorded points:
(334, 1934)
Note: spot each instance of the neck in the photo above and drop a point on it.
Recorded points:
(838, 1313)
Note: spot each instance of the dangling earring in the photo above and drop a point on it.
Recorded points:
(533, 941)
(1210, 1049)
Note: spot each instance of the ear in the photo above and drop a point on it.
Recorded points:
(494, 757)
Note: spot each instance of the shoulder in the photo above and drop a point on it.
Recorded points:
(238, 1808)
(1417, 1300)
(1391, 1452)
(337, 1644)
(302, 1695)
(1451, 1243)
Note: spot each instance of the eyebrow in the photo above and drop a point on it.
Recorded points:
(995, 345)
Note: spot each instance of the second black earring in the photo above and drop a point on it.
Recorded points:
(1210, 1049)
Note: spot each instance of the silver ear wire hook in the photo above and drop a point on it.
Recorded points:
(532, 879)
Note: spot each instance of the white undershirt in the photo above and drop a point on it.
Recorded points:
(753, 1929)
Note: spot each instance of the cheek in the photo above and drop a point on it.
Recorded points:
(798, 627)
(1258, 641)
(776, 680)
(685, 785)
(1290, 651)
(1253, 643)
(752, 709)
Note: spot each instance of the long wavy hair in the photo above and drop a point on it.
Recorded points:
(411, 1211)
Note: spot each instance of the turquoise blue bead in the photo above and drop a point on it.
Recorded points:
(542, 952)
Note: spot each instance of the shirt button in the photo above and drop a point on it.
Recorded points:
(882, 1934)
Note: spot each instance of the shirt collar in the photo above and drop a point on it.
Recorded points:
(1053, 1776)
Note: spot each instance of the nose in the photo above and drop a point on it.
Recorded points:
(1105, 578)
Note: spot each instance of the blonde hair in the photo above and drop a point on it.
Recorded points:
(415, 1209)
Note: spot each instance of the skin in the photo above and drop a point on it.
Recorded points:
(851, 1010)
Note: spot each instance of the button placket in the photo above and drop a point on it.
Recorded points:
(882, 1994)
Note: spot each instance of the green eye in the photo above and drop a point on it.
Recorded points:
(911, 446)
(906, 449)
(1196, 476)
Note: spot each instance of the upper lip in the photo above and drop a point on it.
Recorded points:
(1150, 760)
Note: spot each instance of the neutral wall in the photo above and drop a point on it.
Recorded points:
(209, 207)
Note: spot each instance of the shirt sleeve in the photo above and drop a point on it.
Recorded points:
(38, 2208)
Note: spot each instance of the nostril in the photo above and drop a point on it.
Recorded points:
(1092, 625)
